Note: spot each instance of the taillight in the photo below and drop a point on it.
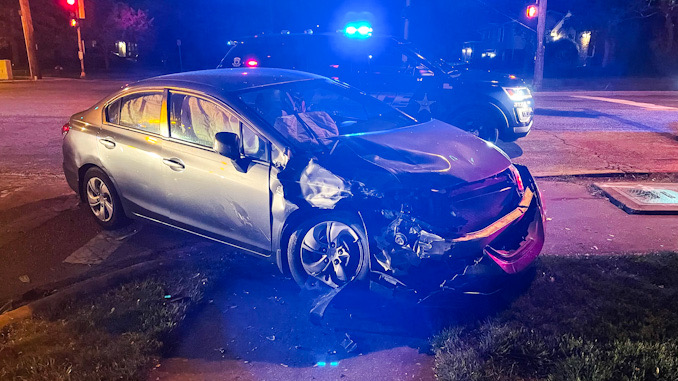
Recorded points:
(252, 63)
(65, 128)
(519, 180)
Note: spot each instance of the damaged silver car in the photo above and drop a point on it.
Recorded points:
(333, 185)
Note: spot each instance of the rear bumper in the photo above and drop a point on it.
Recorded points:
(71, 174)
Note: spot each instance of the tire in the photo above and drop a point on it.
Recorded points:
(479, 122)
(102, 199)
(317, 258)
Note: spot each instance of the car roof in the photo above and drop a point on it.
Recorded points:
(230, 79)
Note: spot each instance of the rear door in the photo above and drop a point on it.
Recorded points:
(130, 148)
(206, 190)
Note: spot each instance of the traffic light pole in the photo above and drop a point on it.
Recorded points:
(81, 53)
(31, 46)
(538, 79)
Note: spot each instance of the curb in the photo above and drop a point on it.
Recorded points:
(82, 288)
(610, 174)
(604, 93)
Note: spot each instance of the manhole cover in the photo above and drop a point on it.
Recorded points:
(650, 198)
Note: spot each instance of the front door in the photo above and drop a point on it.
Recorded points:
(207, 191)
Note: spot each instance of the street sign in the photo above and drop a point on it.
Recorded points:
(643, 198)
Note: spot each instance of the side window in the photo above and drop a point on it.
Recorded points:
(253, 145)
(141, 111)
(197, 120)
(113, 112)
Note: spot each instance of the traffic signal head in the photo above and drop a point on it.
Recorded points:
(532, 11)
(75, 7)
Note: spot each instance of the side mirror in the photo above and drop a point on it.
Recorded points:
(227, 144)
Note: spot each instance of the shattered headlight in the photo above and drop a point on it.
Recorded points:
(321, 188)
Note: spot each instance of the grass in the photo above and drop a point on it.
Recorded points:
(116, 335)
(585, 318)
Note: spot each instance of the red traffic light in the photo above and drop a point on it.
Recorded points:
(531, 11)
(70, 2)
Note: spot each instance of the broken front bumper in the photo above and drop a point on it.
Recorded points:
(480, 261)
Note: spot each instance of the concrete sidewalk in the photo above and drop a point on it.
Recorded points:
(582, 221)
(573, 153)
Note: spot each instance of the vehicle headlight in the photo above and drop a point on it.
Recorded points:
(518, 94)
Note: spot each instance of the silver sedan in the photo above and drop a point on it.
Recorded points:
(328, 182)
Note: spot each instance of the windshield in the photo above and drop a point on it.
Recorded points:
(443, 65)
(317, 111)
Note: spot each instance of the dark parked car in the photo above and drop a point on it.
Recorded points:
(328, 182)
(486, 104)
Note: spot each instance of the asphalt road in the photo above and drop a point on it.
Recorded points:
(46, 237)
(618, 111)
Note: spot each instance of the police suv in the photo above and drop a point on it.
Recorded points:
(487, 104)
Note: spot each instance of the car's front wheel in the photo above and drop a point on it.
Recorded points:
(330, 250)
(478, 122)
(103, 200)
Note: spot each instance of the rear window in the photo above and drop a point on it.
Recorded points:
(139, 111)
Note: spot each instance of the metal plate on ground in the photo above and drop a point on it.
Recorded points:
(646, 198)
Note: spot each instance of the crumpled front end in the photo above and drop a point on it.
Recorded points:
(487, 231)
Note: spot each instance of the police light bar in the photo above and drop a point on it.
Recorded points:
(359, 29)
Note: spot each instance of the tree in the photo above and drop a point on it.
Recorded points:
(118, 22)
(605, 17)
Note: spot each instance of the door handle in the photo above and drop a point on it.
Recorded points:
(107, 142)
(175, 164)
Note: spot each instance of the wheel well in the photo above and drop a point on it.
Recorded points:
(292, 223)
(81, 176)
(495, 111)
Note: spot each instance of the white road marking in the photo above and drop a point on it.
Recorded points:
(99, 248)
(647, 106)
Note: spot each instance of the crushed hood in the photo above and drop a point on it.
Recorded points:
(429, 149)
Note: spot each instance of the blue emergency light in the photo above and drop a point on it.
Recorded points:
(358, 29)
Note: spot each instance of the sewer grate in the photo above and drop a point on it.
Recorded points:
(646, 198)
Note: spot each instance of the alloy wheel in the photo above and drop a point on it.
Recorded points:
(331, 252)
(99, 199)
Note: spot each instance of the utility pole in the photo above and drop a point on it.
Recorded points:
(81, 52)
(81, 43)
(406, 31)
(31, 46)
(539, 59)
